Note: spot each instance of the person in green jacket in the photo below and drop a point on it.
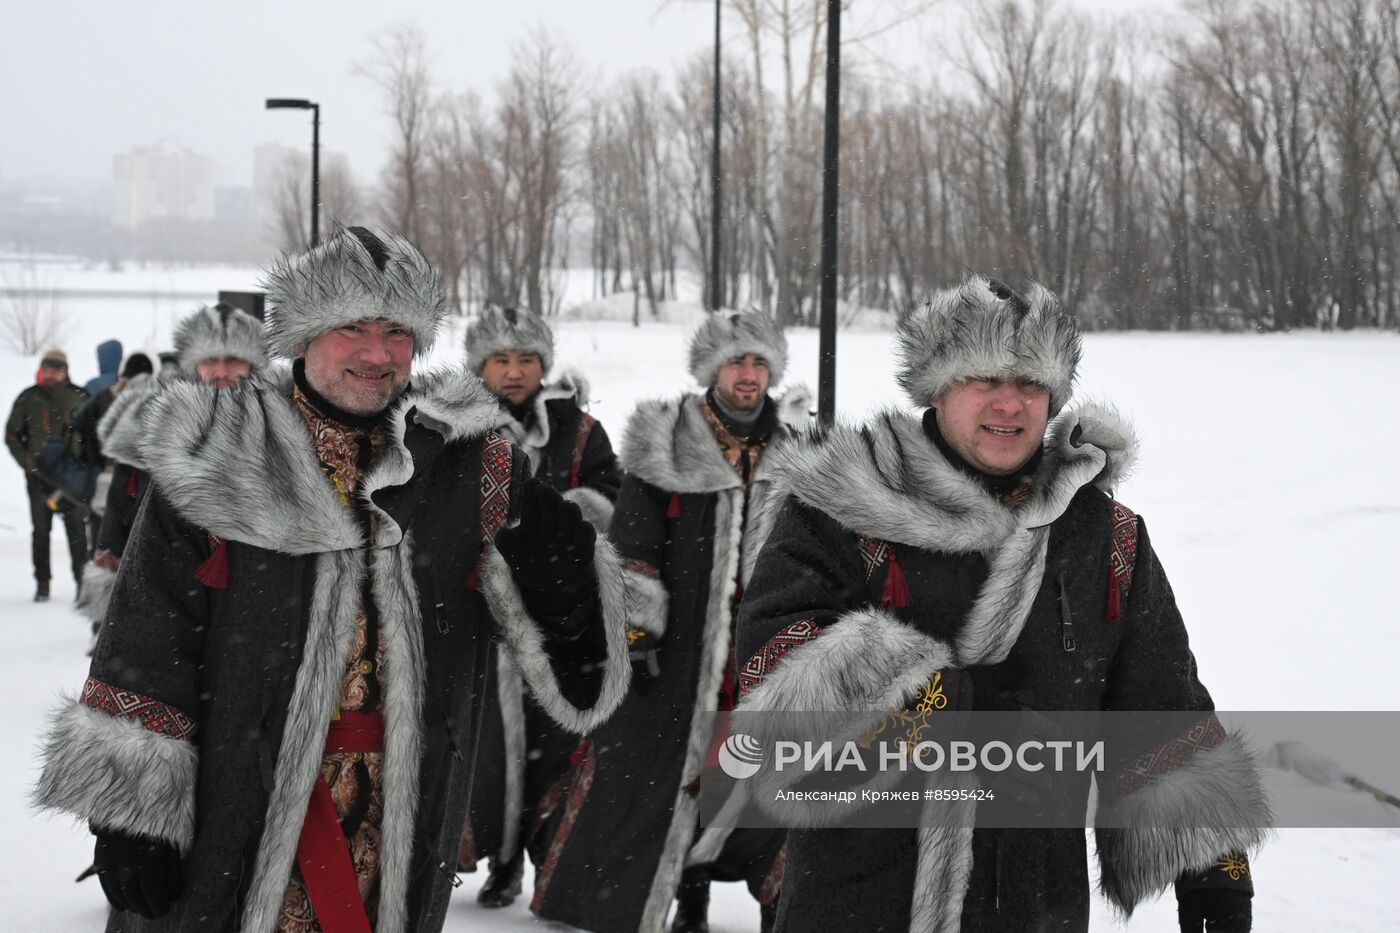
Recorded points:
(40, 412)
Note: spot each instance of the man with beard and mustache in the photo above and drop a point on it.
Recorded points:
(688, 525)
(524, 755)
(219, 346)
(278, 726)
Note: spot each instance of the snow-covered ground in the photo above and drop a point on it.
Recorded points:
(1267, 480)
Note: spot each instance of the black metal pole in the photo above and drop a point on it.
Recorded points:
(826, 362)
(716, 286)
(315, 174)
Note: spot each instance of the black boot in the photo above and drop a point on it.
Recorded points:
(692, 902)
(41, 592)
(502, 886)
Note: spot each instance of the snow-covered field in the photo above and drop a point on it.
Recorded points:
(1267, 479)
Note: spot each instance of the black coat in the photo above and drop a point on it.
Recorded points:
(523, 755)
(688, 533)
(210, 690)
(983, 589)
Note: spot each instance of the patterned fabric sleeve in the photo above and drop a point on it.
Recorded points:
(1191, 800)
(816, 635)
(578, 680)
(123, 755)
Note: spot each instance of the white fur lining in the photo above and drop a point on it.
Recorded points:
(524, 638)
(115, 774)
(1211, 806)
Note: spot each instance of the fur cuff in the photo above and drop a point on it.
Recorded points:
(595, 507)
(116, 775)
(96, 593)
(647, 603)
(525, 639)
(867, 661)
(1186, 819)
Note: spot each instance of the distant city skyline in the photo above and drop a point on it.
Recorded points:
(109, 79)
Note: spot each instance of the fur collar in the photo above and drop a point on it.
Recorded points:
(534, 438)
(886, 479)
(238, 463)
(668, 443)
(121, 428)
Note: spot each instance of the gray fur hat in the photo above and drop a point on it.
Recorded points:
(501, 329)
(356, 275)
(726, 335)
(983, 329)
(222, 330)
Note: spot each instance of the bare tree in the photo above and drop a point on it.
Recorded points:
(400, 69)
(32, 318)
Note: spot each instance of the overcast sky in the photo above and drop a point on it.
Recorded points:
(85, 80)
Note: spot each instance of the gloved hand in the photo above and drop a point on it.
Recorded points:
(550, 553)
(1214, 910)
(641, 653)
(137, 873)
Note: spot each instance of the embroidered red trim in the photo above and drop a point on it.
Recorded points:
(1122, 559)
(495, 484)
(585, 764)
(585, 428)
(641, 568)
(495, 496)
(1171, 754)
(773, 651)
(151, 715)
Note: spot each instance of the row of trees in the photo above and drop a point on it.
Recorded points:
(1242, 172)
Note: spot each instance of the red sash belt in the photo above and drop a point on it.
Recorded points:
(322, 852)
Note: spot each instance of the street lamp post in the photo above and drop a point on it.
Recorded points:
(716, 288)
(294, 103)
(826, 353)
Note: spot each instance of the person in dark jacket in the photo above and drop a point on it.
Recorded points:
(523, 755)
(974, 558)
(42, 411)
(219, 346)
(109, 360)
(84, 441)
(278, 726)
(688, 525)
(85, 446)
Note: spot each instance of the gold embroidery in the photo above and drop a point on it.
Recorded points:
(1236, 868)
(914, 720)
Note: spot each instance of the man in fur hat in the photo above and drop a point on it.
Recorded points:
(277, 729)
(974, 558)
(42, 411)
(219, 346)
(523, 754)
(688, 527)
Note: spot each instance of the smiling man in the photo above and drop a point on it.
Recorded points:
(974, 558)
(689, 525)
(277, 728)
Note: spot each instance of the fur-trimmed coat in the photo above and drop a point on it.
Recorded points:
(523, 754)
(118, 434)
(203, 720)
(980, 620)
(688, 533)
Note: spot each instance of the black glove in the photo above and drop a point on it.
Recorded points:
(550, 553)
(641, 653)
(137, 873)
(1214, 910)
